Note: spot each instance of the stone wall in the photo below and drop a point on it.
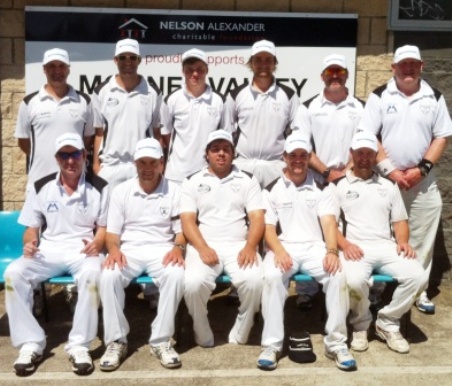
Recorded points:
(373, 69)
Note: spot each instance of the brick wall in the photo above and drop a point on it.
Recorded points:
(373, 69)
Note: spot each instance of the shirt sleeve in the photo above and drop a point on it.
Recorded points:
(254, 196)
(231, 114)
(116, 211)
(103, 211)
(23, 124)
(175, 211)
(301, 122)
(271, 215)
(89, 127)
(31, 214)
(156, 112)
(371, 119)
(327, 204)
(398, 211)
(98, 119)
(294, 105)
(165, 119)
(188, 201)
(443, 125)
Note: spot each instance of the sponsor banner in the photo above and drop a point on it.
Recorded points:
(90, 34)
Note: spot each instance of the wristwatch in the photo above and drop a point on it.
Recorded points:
(181, 246)
(326, 173)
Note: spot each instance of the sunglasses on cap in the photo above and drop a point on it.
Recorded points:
(337, 71)
(132, 58)
(64, 156)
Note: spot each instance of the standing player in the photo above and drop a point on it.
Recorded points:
(43, 116)
(262, 112)
(46, 114)
(71, 205)
(143, 235)
(408, 111)
(331, 119)
(126, 109)
(216, 205)
(188, 116)
(375, 237)
(305, 215)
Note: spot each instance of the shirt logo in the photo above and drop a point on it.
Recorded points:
(235, 187)
(112, 102)
(73, 113)
(144, 100)
(352, 115)
(203, 188)
(164, 210)
(276, 106)
(350, 195)
(211, 111)
(310, 200)
(425, 108)
(52, 207)
(82, 208)
(391, 109)
(382, 192)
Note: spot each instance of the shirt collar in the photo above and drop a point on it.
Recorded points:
(308, 184)
(235, 173)
(270, 90)
(349, 100)
(137, 190)
(206, 95)
(351, 178)
(81, 187)
(142, 86)
(71, 94)
(424, 89)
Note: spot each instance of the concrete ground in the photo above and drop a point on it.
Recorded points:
(428, 363)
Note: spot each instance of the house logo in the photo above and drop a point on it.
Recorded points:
(132, 29)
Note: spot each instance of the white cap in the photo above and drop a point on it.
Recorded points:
(127, 45)
(220, 134)
(69, 139)
(263, 46)
(407, 52)
(334, 60)
(297, 140)
(148, 147)
(195, 54)
(364, 139)
(56, 54)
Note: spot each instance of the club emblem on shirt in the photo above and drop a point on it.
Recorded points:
(73, 112)
(425, 108)
(276, 106)
(352, 115)
(52, 206)
(310, 200)
(235, 187)
(202, 188)
(144, 100)
(112, 102)
(211, 111)
(391, 109)
(164, 210)
(82, 208)
(382, 192)
(350, 195)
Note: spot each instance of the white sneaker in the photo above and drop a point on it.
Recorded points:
(344, 360)
(359, 342)
(26, 361)
(113, 356)
(394, 340)
(81, 361)
(425, 305)
(268, 359)
(169, 358)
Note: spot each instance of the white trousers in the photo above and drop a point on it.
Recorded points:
(423, 204)
(115, 174)
(169, 280)
(24, 274)
(200, 282)
(382, 257)
(309, 259)
(264, 171)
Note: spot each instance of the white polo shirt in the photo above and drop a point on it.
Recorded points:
(189, 120)
(407, 124)
(368, 207)
(221, 204)
(296, 210)
(42, 119)
(126, 117)
(331, 126)
(144, 219)
(261, 119)
(68, 219)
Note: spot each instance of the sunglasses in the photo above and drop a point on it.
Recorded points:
(132, 58)
(337, 71)
(64, 156)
